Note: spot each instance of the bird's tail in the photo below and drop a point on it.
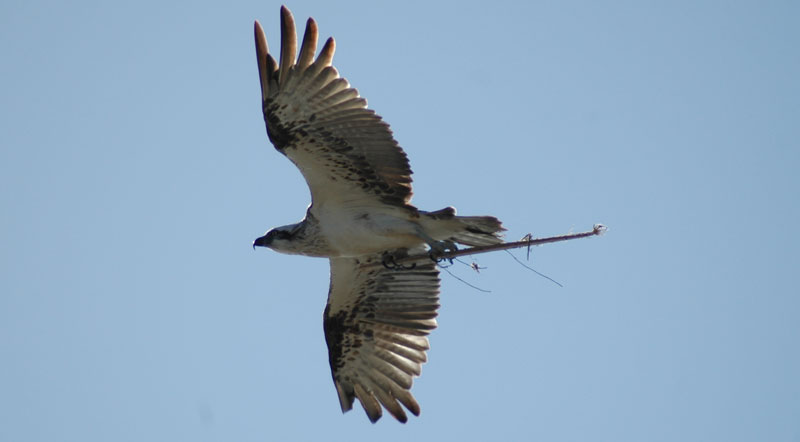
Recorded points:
(468, 230)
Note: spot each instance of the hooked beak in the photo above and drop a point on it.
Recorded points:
(261, 242)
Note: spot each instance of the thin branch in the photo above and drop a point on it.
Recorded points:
(598, 229)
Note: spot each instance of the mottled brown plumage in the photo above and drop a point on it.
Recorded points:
(316, 119)
(375, 325)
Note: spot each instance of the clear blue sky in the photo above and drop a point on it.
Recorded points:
(135, 172)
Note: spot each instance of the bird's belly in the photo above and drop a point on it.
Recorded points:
(358, 234)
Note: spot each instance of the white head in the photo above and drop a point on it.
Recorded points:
(281, 239)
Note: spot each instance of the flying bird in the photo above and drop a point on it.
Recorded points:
(378, 314)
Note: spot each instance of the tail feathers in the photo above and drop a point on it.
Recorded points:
(479, 230)
(468, 230)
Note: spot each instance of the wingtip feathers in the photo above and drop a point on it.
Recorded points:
(262, 52)
(326, 54)
(345, 399)
(309, 45)
(288, 42)
(277, 72)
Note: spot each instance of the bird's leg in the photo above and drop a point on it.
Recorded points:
(439, 248)
(389, 260)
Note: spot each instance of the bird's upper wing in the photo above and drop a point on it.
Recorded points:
(376, 323)
(344, 150)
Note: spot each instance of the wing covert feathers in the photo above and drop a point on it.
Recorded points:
(376, 323)
(316, 119)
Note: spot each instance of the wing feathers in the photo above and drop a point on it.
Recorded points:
(334, 101)
(396, 361)
(262, 51)
(400, 377)
(376, 323)
(322, 124)
(410, 354)
(345, 398)
(325, 57)
(407, 400)
(333, 83)
(272, 69)
(323, 84)
(412, 342)
(371, 406)
(309, 46)
(382, 387)
(288, 42)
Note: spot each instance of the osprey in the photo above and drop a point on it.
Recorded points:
(377, 316)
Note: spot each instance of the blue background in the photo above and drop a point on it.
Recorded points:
(135, 172)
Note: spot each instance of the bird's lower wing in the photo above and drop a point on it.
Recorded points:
(376, 323)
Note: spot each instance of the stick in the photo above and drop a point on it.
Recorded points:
(597, 230)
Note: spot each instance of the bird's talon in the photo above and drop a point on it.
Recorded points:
(390, 263)
(438, 251)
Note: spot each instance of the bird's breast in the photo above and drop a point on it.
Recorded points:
(363, 232)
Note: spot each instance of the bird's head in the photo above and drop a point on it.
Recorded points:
(278, 239)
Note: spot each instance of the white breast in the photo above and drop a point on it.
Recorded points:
(362, 231)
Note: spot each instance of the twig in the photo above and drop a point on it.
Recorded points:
(465, 282)
(534, 270)
(597, 230)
